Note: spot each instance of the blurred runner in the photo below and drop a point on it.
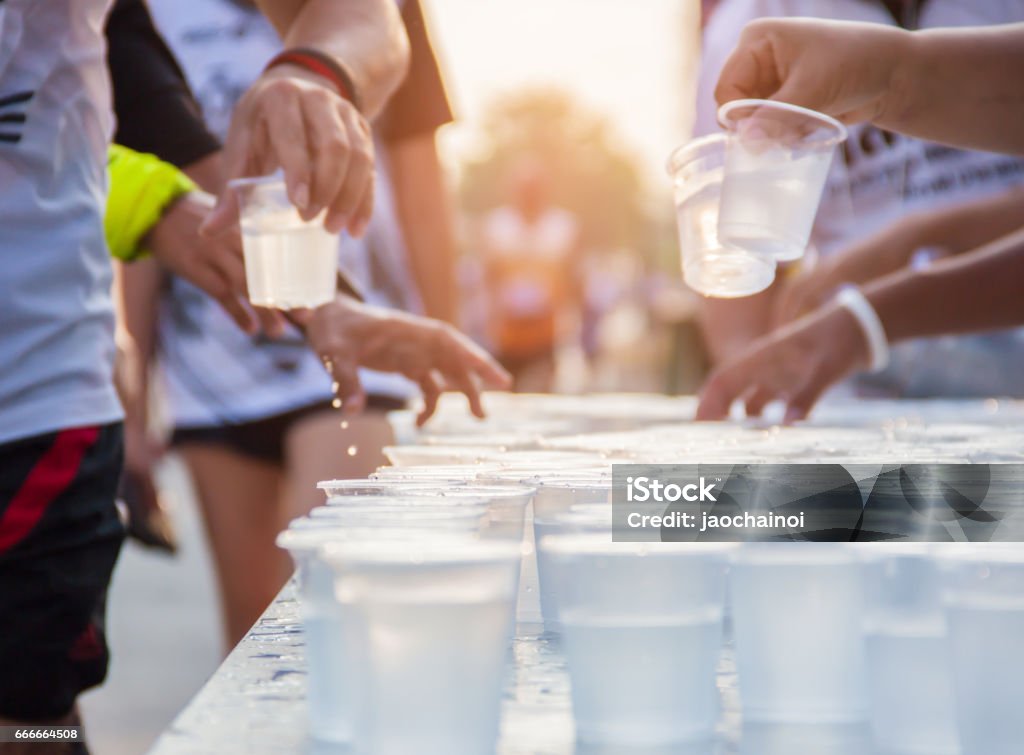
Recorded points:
(530, 251)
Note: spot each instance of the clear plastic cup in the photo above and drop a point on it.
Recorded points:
(777, 161)
(798, 615)
(328, 667)
(431, 625)
(407, 515)
(711, 267)
(911, 691)
(289, 263)
(417, 456)
(984, 602)
(642, 631)
(578, 519)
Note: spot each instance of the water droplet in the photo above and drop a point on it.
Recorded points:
(335, 387)
(352, 450)
(336, 403)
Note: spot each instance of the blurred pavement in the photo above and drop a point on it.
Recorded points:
(164, 631)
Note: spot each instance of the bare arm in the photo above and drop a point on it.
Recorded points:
(366, 35)
(729, 326)
(973, 292)
(955, 230)
(425, 215)
(957, 86)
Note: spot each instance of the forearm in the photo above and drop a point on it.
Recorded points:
(425, 216)
(960, 87)
(729, 326)
(366, 35)
(139, 286)
(956, 230)
(975, 292)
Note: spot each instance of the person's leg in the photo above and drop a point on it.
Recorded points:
(240, 498)
(60, 535)
(325, 445)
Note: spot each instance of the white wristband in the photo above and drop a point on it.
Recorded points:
(854, 302)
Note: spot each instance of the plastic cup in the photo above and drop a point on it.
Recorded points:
(289, 263)
(328, 667)
(984, 602)
(777, 161)
(431, 625)
(798, 614)
(642, 631)
(711, 267)
(406, 515)
(578, 519)
(417, 456)
(911, 691)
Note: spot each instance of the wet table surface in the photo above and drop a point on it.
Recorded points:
(255, 703)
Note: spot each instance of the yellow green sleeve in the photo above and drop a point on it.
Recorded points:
(141, 187)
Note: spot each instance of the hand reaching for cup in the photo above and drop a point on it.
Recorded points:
(795, 364)
(348, 335)
(290, 119)
(214, 265)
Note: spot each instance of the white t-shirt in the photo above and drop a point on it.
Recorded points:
(214, 373)
(878, 177)
(57, 319)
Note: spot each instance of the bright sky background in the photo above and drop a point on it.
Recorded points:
(631, 59)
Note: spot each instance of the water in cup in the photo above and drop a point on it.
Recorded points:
(984, 601)
(710, 267)
(911, 691)
(642, 632)
(289, 263)
(798, 613)
(431, 624)
(653, 661)
(777, 160)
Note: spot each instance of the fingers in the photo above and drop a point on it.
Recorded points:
(238, 312)
(352, 205)
(271, 321)
(283, 108)
(756, 400)
(431, 386)
(725, 385)
(223, 216)
(802, 401)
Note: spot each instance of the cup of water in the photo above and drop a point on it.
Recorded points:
(797, 620)
(710, 267)
(580, 518)
(431, 626)
(289, 263)
(911, 691)
(642, 632)
(777, 160)
(984, 602)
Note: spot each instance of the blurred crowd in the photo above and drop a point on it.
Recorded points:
(922, 214)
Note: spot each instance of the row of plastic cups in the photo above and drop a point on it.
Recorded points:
(407, 619)
(747, 198)
(927, 650)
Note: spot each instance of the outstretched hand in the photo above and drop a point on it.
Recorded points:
(348, 335)
(795, 364)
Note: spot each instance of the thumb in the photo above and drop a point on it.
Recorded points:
(223, 216)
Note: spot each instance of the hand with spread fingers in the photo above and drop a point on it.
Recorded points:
(795, 364)
(348, 335)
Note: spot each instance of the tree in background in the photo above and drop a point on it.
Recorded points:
(591, 173)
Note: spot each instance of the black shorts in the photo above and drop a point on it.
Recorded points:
(60, 535)
(263, 439)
